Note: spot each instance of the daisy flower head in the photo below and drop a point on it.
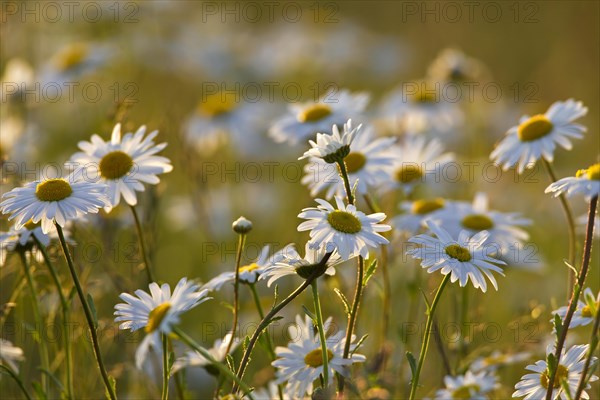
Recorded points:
(535, 385)
(585, 312)
(287, 261)
(365, 164)
(497, 359)
(345, 229)
(585, 182)
(53, 200)
(75, 61)
(537, 136)
(157, 312)
(306, 119)
(124, 164)
(217, 351)
(415, 213)
(10, 354)
(416, 161)
(452, 65)
(301, 362)
(471, 385)
(465, 258)
(332, 147)
(25, 238)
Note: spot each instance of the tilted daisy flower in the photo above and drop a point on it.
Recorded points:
(247, 274)
(75, 61)
(416, 161)
(535, 385)
(349, 231)
(124, 164)
(157, 312)
(452, 65)
(471, 385)
(195, 359)
(10, 354)
(415, 213)
(465, 258)
(301, 362)
(287, 261)
(305, 120)
(497, 359)
(585, 312)
(504, 228)
(365, 163)
(536, 137)
(53, 200)
(585, 182)
(24, 238)
(332, 147)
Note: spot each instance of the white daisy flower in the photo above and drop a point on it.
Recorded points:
(157, 312)
(365, 163)
(414, 213)
(247, 274)
(416, 161)
(54, 200)
(497, 359)
(504, 228)
(534, 386)
(269, 392)
(349, 231)
(301, 362)
(585, 182)
(287, 261)
(74, 61)
(306, 119)
(11, 354)
(464, 258)
(536, 137)
(452, 65)
(218, 352)
(124, 164)
(468, 386)
(584, 313)
(19, 73)
(332, 147)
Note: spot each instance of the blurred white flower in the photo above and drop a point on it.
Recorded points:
(471, 385)
(414, 213)
(10, 354)
(585, 312)
(195, 359)
(585, 182)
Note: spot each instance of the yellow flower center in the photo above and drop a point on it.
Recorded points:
(217, 104)
(355, 162)
(593, 172)
(315, 358)
(465, 392)
(586, 311)
(249, 268)
(426, 206)
(115, 165)
(561, 373)
(458, 252)
(408, 173)
(156, 316)
(30, 225)
(425, 97)
(72, 56)
(53, 190)
(315, 112)
(477, 222)
(534, 128)
(344, 222)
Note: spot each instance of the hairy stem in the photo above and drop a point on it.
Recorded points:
(140, 233)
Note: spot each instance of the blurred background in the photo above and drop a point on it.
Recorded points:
(71, 69)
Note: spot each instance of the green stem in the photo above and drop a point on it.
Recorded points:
(222, 368)
(9, 305)
(39, 322)
(140, 232)
(65, 316)
(570, 227)
(165, 360)
(236, 290)
(17, 380)
(88, 314)
(344, 175)
(425, 345)
(321, 327)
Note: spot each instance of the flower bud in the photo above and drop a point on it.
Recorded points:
(242, 225)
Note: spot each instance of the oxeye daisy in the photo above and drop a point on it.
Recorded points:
(537, 136)
(305, 120)
(25, 238)
(414, 213)
(53, 200)
(349, 231)
(497, 359)
(157, 312)
(471, 385)
(452, 65)
(333, 147)
(465, 258)
(416, 161)
(585, 182)
(218, 352)
(301, 362)
(287, 261)
(585, 312)
(123, 164)
(269, 392)
(10, 354)
(74, 61)
(535, 385)
(365, 163)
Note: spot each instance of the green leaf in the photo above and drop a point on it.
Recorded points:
(412, 362)
(113, 385)
(37, 388)
(276, 294)
(426, 302)
(370, 272)
(359, 343)
(344, 300)
(56, 381)
(572, 268)
(230, 362)
(558, 325)
(90, 301)
(309, 313)
(551, 361)
(245, 343)
(227, 305)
